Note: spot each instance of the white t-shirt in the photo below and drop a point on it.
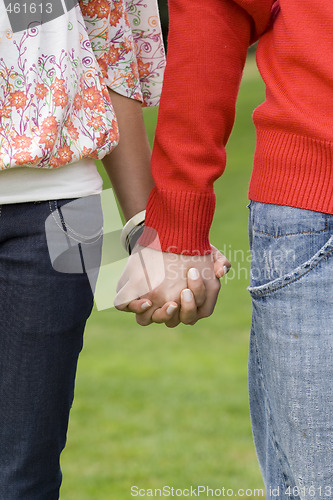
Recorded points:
(25, 184)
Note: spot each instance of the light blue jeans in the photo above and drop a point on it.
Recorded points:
(291, 350)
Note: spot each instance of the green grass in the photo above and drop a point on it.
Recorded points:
(158, 407)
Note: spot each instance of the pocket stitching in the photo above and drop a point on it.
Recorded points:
(291, 279)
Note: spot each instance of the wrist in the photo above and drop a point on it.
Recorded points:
(132, 231)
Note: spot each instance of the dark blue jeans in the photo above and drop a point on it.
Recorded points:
(42, 318)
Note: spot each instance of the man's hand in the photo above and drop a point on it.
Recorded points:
(182, 288)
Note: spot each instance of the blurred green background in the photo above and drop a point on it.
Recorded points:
(155, 406)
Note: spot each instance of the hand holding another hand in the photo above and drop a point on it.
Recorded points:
(162, 287)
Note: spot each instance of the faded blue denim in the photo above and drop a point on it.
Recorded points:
(291, 350)
(42, 317)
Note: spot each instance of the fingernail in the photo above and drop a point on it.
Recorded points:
(145, 306)
(171, 309)
(193, 273)
(187, 295)
(226, 270)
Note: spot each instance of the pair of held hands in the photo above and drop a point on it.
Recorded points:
(184, 288)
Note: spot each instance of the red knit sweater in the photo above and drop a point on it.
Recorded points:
(207, 47)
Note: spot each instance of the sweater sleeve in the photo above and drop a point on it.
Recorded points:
(207, 47)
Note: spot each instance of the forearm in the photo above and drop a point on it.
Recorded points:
(128, 165)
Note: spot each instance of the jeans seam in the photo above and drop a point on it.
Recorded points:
(294, 234)
(269, 411)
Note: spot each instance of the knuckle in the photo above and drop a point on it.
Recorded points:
(133, 307)
(216, 285)
(172, 325)
(210, 312)
(142, 321)
(160, 317)
(188, 323)
(157, 320)
(153, 294)
(157, 296)
(120, 307)
(188, 319)
(206, 312)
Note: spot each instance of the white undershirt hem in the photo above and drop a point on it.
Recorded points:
(27, 184)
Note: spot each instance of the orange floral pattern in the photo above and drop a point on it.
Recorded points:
(54, 104)
(126, 38)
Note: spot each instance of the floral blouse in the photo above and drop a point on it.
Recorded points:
(55, 66)
(126, 38)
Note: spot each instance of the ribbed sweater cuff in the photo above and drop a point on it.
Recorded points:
(181, 220)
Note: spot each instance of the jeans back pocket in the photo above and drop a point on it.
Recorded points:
(284, 241)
